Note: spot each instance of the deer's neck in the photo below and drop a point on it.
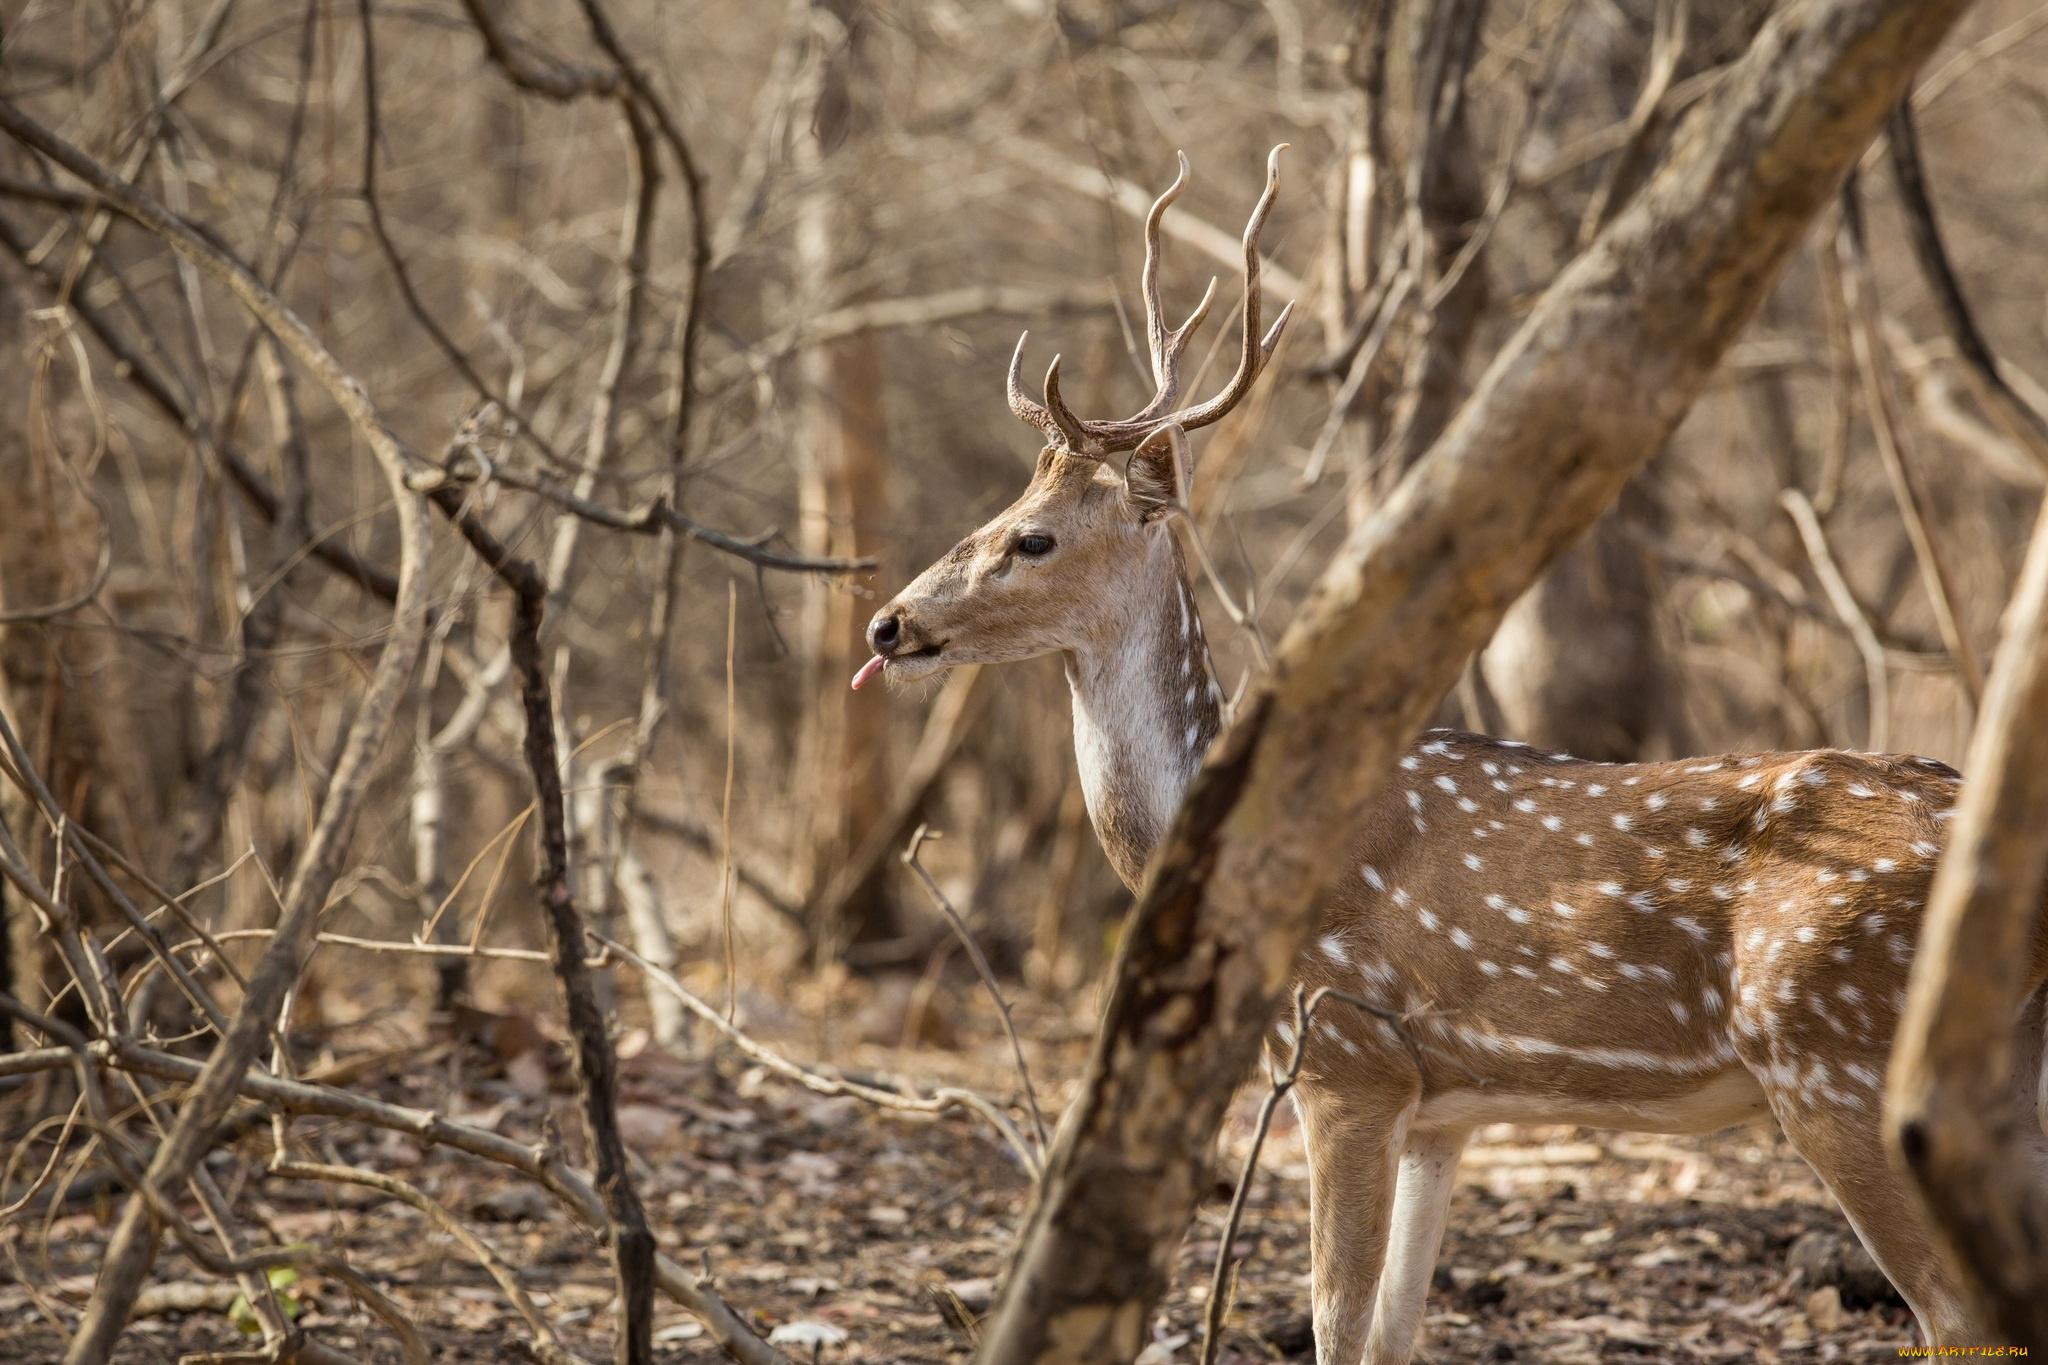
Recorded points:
(1146, 706)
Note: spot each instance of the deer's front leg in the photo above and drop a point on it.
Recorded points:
(1354, 1143)
(1422, 1203)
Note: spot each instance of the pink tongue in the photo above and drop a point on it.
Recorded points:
(867, 670)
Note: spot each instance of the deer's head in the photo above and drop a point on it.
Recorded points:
(1054, 570)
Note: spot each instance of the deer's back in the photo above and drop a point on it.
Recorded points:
(1633, 934)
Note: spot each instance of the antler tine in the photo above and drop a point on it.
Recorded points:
(1021, 402)
(1167, 361)
(1156, 336)
(1113, 436)
(1179, 339)
(1070, 427)
(1252, 358)
(1273, 334)
(1075, 436)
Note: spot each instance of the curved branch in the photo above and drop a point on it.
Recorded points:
(2011, 414)
(652, 518)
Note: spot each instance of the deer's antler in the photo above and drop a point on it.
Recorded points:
(1078, 436)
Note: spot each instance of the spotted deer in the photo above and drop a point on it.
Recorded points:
(1672, 947)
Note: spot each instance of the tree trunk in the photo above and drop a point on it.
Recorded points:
(1591, 386)
(842, 771)
(1445, 200)
(1960, 1125)
(65, 688)
(1579, 664)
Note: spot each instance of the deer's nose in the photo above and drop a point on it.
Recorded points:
(884, 631)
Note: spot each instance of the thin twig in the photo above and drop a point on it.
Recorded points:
(547, 1346)
(940, 1100)
(1528, 114)
(732, 978)
(1354, 378)
(1892, 445)
(1878, 737)
(988, 976)
(1245, 617)
(650, 519)
(1222, 1282)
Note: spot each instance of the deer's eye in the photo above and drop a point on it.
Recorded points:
(1034, 545)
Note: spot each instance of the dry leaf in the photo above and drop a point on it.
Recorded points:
(1824, 1308)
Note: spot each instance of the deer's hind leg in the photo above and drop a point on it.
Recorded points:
(1845, 1146)
(1354, 1139)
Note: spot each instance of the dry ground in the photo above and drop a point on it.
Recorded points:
(1566, 1245)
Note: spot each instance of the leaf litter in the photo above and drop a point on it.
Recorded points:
(846, 1234)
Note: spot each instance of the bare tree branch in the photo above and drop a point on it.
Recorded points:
(2010, 413)
(134, 1242)
(632, 1241)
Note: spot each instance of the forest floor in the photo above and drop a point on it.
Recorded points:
(878, 1236)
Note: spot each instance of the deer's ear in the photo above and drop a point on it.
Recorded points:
(1150, 483)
